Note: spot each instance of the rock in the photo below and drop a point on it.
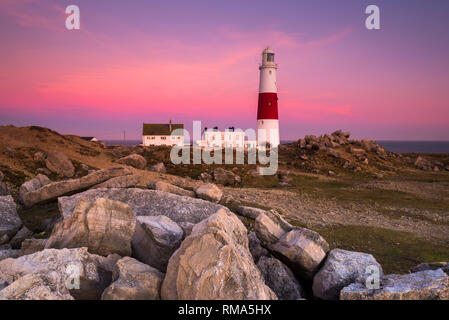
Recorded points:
(6, 252)
(134, 280)
(422, 163)
(3, 189)
(302, 143)
(331, 173)
(2, 176)
(30, 246)
(134, 160)
(225, 177)
(4, 239)
(84, 167)
(204, 176)
(167, 187)
(56, 189)
(43, 171)
(159, 167)
(357, 151)
(214, 263)
(436, 169)
(378, 175)
(126, 181)
(10, 152)
(104, 227)
(423, 285)
(340, 269)
(16, 241)
(209, 192)
(249, 212)
(301, 249)
(334, 153)
(147, 203)
(255, 247)
(34, 287)
(10, 221)
(39, 156)
(280, 279)
(155, 240)
(431, 266)
(310, 139)
(32, 185)
(447, 168)
(3, 285)
(62, 267)
(59, 163)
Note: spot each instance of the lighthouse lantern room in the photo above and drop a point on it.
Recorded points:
(267, 110)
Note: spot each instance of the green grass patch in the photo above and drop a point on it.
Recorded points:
(396, 251)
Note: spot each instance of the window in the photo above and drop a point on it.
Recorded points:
(269, 104)
(270, 57)
(163, 138)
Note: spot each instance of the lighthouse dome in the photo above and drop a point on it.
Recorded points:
(267, 50)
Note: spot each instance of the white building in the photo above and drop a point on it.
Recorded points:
(230, 138)
(163, 134)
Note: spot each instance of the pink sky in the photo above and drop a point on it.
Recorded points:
(147, 61)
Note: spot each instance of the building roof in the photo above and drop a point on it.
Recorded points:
(160, 129)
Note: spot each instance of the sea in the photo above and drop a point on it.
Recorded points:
(390, 145)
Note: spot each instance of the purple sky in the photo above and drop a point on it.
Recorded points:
(151, 61)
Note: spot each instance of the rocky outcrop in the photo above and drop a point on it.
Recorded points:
(423, 164)
(340, 269)
(56, 189)
(3, 188)
(249, 212)
(159, 167)
(280, 279)
(34, 287)
(134, 280)
(10, 221)
(301, 249)
(423, 285)
(16, 241)
(209, 192)
(62, 267)
(155, 240)
(57, 162)
(32, 185)
(134, 160)
(167, 187)
(214, 262)
(147, 203)
(104, 227)
(225, 177)
(126, 181)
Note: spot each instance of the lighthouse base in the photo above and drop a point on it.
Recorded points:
(268, 133)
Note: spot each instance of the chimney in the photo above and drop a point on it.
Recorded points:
(170, 126)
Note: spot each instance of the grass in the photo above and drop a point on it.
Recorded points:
(396, 251)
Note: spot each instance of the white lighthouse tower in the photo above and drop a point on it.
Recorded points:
(267, 110)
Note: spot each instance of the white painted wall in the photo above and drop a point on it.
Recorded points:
(268, 131)
(163, 140)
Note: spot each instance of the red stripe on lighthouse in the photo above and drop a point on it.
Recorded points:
(268, 106)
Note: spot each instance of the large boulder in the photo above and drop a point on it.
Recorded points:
(134, 160)
(301, 249)
(62, 267)
(249, 212)
(104, 227)
(32, 185)
(256, 249)
(134, 280)
(147, 203)
(56, 189)
(340, 269)
(155, 240)
(225, 177)
(423, 285)
(10, 221)
(431, 266)
(167, 187)
(34, 287)
(280, 279)
(214, 263)
(209, 192)
(30, 246)
(126, 181)
(57, 162)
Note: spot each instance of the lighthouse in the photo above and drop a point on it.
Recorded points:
(267, 110)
